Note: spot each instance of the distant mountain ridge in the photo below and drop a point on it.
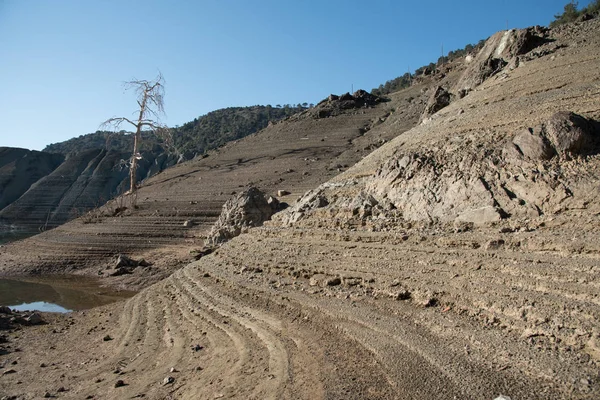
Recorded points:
(204, 133)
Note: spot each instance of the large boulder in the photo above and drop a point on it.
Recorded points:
(439, 99)
(532, 144)
(570, 133)
(248, 209)
(564, 134)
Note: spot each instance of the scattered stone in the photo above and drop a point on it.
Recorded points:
(34, 319)
(62, 389)
(281, 193)
(399, 294)
(125, 261)
(107, 338)
(197, 347)
(144, 263)
(333, 281)
(431, 302)
(198, 254)
(119, 383)
(585, 381)
(5, 310)
(9, 371)
(494, 244)
(168, 380)
(47, 395)
(317, 279)
(173, 369)
(188, 223)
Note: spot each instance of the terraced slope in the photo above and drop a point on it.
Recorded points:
(294, 155)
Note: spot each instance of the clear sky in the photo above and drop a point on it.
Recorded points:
(62, 62)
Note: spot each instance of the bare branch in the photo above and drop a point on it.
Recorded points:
(116, 122)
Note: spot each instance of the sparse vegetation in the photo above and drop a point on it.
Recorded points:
(405, 80)
(198, 136)
(218, 127)
(571, 12)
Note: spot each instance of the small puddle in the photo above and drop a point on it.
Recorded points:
(56, 294)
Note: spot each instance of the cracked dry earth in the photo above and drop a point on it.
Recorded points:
(347, 298)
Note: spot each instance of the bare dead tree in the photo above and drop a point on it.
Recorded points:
(150, 99)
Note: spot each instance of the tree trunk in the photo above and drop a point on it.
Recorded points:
(134, 162)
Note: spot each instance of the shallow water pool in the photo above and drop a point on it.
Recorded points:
(56, 293)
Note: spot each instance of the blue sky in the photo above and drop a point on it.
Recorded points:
(62, 62)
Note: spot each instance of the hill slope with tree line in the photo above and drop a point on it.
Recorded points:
(195, 137)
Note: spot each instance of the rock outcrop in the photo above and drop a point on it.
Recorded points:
(460, 184)
(248, 209)
(500, 50)
(335, 105)
(440, 98)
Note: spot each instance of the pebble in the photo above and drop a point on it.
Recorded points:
(197, 347)
(585, 381)
(168, 380)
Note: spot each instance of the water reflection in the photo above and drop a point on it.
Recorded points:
(56, 294)
(40, 306)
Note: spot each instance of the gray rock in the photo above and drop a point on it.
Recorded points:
(125, 261)
(533, 145)
(248, 209)
(34, 319)
(571, 133)
(494, 244)
(333, 281)
(168, 380)
(439, 99)
(119, 383)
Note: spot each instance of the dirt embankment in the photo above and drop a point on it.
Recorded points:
(351, 293)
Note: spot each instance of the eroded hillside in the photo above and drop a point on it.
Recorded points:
(458, 260)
